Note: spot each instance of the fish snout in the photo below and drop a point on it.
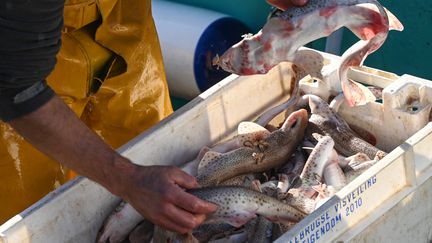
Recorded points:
(296, 121)
(237, 59)
(230, 61)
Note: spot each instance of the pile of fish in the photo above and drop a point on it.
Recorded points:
(267, 178)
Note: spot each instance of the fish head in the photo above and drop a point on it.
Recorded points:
(229, 61)
(244, 58)
(292, 130)
(318, 106)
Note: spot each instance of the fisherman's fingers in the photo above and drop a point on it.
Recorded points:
(193, 204)
(179, 219)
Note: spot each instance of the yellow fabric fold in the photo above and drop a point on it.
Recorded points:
(125, 93)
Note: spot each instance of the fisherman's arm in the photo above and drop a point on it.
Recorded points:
(155, 191)
(31, 32)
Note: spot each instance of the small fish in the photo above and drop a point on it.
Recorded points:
(333, 174)
(325, 120)
(312, 174)
(271, 152)
(119, 224)
(248, 131)
(237, 205)
(317, 161)
(282, 36)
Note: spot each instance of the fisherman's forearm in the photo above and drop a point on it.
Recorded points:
(55, 130)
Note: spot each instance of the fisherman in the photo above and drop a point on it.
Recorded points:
(30, 39)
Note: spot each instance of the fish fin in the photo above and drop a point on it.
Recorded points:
(324, 191)
(256, 185)
(250, 127)
(202, 152)
(251, 132)
(358, 158)
(207, 159)
(394, 22)
(380, 155)
(317, 136)
(239, 219)
(357, 94)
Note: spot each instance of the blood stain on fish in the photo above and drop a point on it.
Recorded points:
(327, 12)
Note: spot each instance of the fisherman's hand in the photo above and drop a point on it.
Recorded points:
(285, 4)
(157, 193)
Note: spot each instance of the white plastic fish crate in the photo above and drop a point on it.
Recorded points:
(391, 202)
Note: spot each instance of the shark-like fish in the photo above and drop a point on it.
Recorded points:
(325, 121)
(282, 36)
(259, 156)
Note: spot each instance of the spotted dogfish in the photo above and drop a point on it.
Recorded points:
(282, 36)
(302, 197)
(257, 156)
(236, 206)
(325, 120)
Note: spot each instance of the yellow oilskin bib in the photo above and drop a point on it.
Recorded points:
(110, 72)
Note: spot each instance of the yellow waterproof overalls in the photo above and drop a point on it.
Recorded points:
(110, 72)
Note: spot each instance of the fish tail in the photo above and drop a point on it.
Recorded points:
(394, 23)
